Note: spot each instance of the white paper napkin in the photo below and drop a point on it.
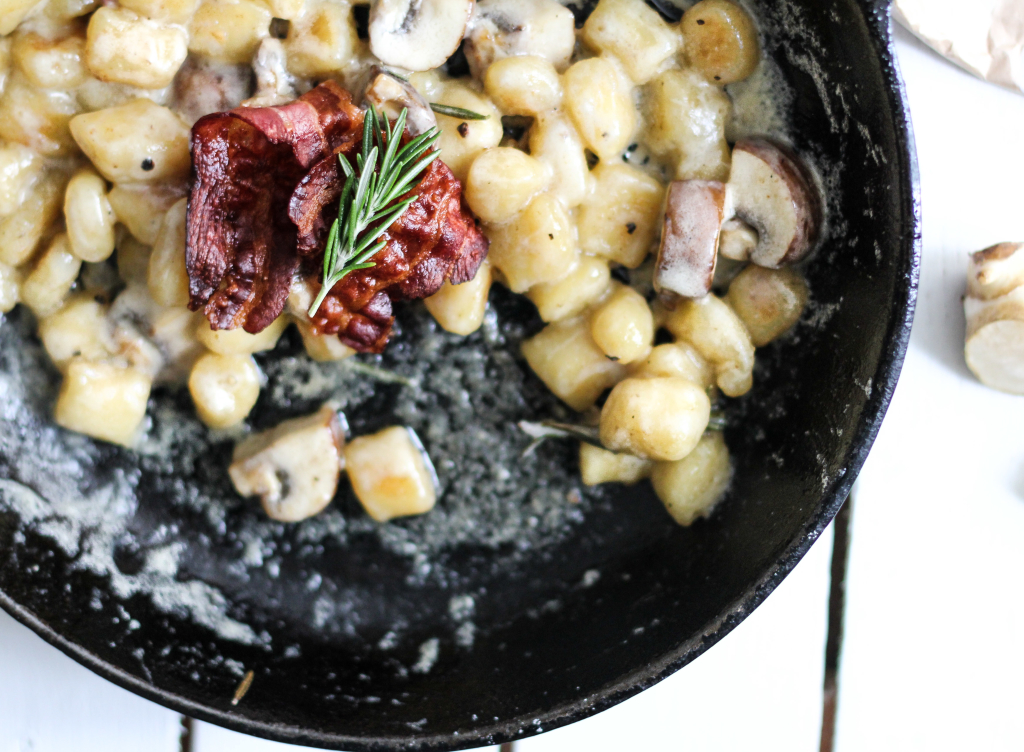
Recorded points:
(986, 37)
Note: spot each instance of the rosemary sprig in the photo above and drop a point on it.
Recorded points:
(366, 208)
(456, 112)
(551, 429)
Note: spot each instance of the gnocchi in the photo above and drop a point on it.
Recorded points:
(102, 400)
(768, 301)
(618, 220)
(89, 217)
(690, 487)
(140, 141)
(126, 49)
(46, 286)
(239, 341)
(633, 32)
(660, 418)
(460, 309)
(167, 277)
(224, 388)
(721, 40)
(599, 466)
(524, 85)
(599, 99)
(462, 140)
(78, 330)
(623, 326)
(718, 334)
(229, 31)
(501, 182)
(321, 39)
(390, 474)
(565, 357)
(686, 117)
(588, 283)
(538, 246)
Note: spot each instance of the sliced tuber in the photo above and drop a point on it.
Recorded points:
(995, 271)
(294, 467)
(995, 317)
(772, 192)
(694, 210)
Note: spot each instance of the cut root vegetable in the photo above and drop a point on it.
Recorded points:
(995, 340)
(996, 271)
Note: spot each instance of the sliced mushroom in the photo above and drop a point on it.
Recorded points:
(390, 94)
(771, 191)
(738, 240)
(202, 86)
(996, 271)
(274, 84)
(995, 340)
(294, 467)
(506, 28)
(689, 238)
(417, 34)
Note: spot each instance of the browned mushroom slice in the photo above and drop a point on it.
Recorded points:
(391, 94)
(417, 34)
(738, 240)
(294, 467)
(772, 191)
(689, 238)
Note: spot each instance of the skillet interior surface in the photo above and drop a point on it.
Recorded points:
(363, 642)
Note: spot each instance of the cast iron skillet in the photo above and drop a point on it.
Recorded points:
(552, 645)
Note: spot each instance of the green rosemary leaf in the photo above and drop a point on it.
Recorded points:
(384, 171)
(456, 112)
(406, 183)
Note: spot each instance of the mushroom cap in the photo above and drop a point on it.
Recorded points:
(294, 467)
(417, 34)
(773, 191)
(386, 89)
(694, 210)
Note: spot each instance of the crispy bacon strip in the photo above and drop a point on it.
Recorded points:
(265, 187)
(435, 239)
(246, 163)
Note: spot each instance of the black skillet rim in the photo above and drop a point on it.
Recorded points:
(886, 377)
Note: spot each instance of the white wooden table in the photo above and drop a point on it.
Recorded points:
(934, 641)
